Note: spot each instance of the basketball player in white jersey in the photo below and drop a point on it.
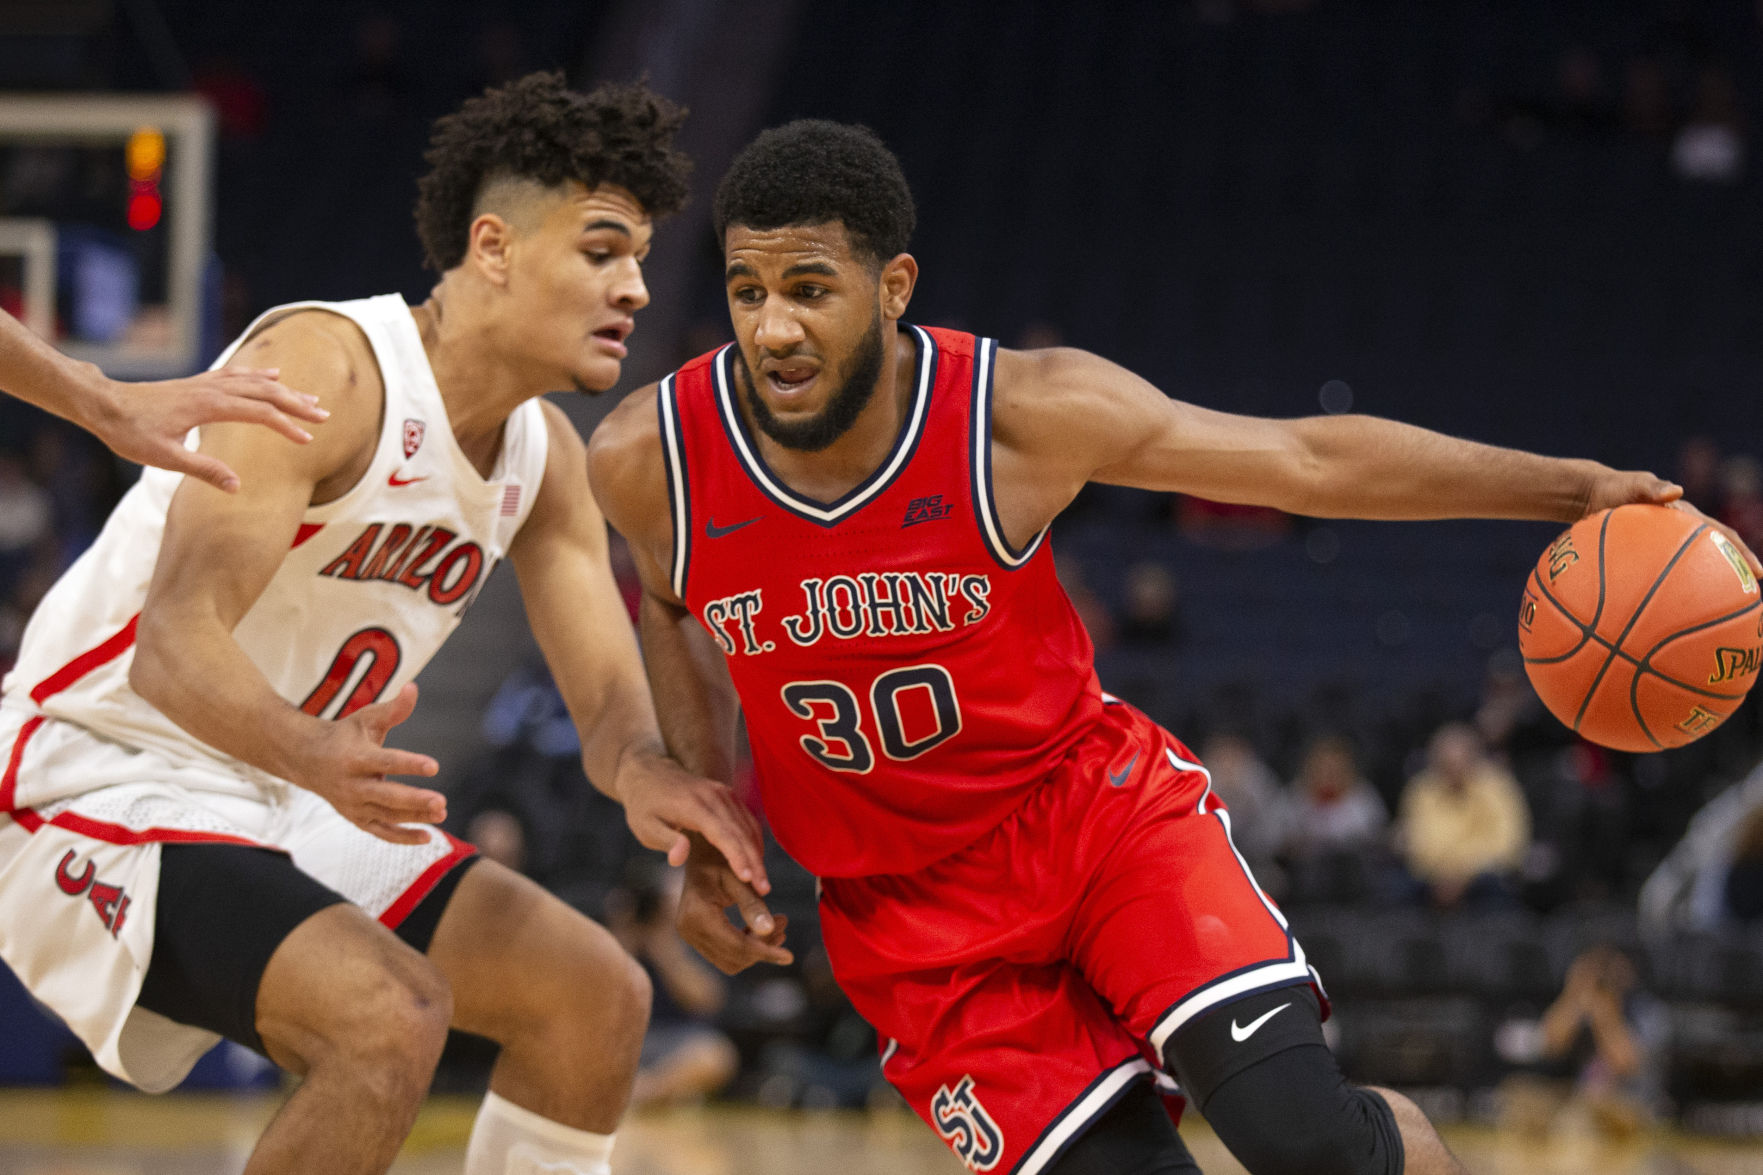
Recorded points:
(199, 838)
(147, 422)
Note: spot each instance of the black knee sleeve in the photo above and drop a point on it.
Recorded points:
(1136, 1137)
(1259, 1072)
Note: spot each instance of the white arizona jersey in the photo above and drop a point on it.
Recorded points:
(374, 582)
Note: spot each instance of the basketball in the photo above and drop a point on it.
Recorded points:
(1641, 627)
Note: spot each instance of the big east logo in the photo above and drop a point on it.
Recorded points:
(421, 558)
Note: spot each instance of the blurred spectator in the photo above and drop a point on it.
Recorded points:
(1690, 888)
(1333, 826)
(240, 104)
(1580, 103)
(1741, 498)
(1599, 1045)
(25, 514)
(529, 801)
(686, 1058)
(1085, 602)
(1230, 526)
(375, 82)
(1463, 827)
(1646, 99)
(1252, 792)
(1698, 472)
(1333, 807)
(829, 1058)
(1741, 897)
(499, 836)
(1711, 146)
(1151, 611)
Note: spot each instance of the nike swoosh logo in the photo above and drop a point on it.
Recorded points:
(1242, 1033)
(395, 480)
(714, 531)
(1119, 778)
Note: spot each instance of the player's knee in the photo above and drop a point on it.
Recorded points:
(1258, 1069)
(630, 995)
(398, 1032)
(1136, 1137)
(1340, 1131)
(598, 997)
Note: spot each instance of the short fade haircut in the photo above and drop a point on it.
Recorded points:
(812, 171)
(536, 128)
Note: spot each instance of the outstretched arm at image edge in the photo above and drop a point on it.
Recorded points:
(147, 422)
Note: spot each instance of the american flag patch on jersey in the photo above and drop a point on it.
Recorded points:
(510, 501)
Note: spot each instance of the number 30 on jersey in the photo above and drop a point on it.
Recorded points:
(911, 710)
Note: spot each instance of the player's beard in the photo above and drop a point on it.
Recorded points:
(846, 403)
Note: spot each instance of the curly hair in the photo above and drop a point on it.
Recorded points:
(537, 128)
(812, 171)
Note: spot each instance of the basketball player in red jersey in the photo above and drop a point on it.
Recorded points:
(198, 835)
(147, 422)
(1027, 887)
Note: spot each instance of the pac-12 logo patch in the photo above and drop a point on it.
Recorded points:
(966, 1127)
(413, 430)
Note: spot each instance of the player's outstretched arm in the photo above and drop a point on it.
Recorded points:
(580, 621)
(218, 554)
(147, 422)
(689, 678)
(1081, 418)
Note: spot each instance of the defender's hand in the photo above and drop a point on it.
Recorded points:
(349, 769)
(710, 889)
(663, 802)
(147, 422)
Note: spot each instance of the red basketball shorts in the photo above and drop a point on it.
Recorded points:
(1022, 984)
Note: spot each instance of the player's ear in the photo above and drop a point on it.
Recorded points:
(488, 244)
(898, 277)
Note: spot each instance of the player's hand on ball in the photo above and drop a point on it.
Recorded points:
(663, 802)
(1621, 487)
(147, 422)
(350, 766)
(1732, 536)
(711, 888)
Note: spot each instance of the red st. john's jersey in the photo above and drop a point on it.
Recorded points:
(907, 677)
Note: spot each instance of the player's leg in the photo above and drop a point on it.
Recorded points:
(567, 1005)
(1136, 1137)
(248, 946)
(1260, 1072)
(1179, 939)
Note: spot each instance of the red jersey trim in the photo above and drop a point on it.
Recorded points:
(828, 513)
(115, 834)
(87, 661)
(9, 781)
(424, 884)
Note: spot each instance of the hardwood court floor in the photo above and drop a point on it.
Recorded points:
(111, 1132)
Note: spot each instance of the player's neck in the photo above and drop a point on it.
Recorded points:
(828, 474)
(478, 387)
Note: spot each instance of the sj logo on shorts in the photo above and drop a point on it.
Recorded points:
(966, 1127)
(111, 901)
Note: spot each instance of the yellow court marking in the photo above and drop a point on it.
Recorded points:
(101, 1131)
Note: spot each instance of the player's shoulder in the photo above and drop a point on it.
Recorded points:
(624, 453)
(321, 343)
(1040, 377)
(629, 430)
